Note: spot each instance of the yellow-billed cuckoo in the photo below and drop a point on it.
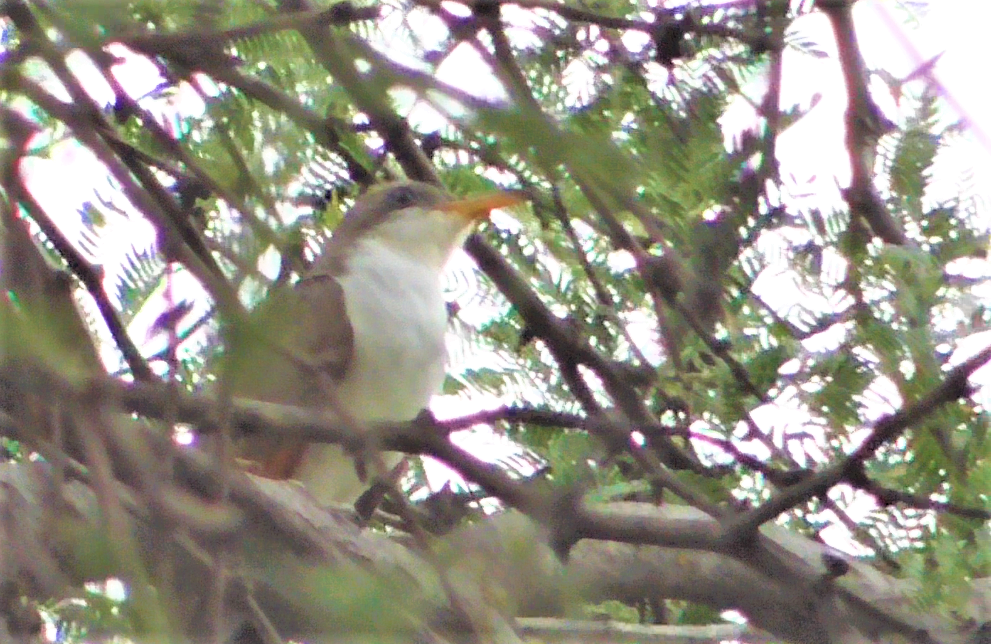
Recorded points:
(370, 318)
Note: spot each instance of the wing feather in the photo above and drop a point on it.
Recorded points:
(308, 321)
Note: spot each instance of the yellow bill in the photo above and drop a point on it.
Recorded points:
(479, 207)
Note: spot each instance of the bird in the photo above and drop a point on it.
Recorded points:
(369, 317)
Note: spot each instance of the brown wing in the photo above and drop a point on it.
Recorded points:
(310, 321)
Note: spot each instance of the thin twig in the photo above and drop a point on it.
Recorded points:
(954, 386)
(341, 14)
(91, 280)
(865, 124)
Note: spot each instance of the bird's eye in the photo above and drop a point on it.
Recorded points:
(403, 197)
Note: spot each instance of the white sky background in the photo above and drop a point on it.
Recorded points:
(812, 151)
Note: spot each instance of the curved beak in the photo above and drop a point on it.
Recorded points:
(478, 207)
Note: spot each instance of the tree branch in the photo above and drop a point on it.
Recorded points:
(954, 386)
(865, 124)
(90, 278)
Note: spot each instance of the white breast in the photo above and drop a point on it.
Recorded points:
(399, 321)
(397, 313)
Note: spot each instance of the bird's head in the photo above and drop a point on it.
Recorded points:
(418, 219)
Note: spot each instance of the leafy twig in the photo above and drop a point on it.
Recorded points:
(954, 386)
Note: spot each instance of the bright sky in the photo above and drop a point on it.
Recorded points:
(811, 153)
